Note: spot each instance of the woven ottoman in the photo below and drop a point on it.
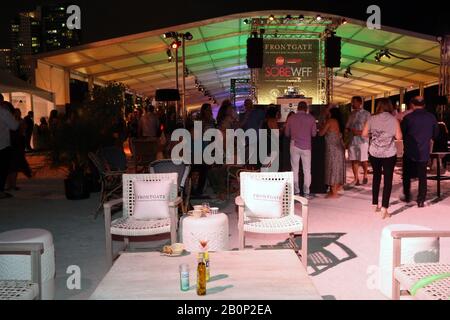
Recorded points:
(18, 267)
(213, 229)
(414, 250)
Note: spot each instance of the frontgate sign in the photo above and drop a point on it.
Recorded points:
(289, 62)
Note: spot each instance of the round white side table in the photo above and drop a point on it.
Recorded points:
(213, 229)
(414, 250)
(18, 267)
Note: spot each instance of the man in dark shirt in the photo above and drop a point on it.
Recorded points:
(29, 126)
(419, 128)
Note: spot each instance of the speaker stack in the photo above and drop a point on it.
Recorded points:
(255, 52)
(333, 52)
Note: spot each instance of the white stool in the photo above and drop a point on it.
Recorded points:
(414, 250)
(213, 229)
(17, 267)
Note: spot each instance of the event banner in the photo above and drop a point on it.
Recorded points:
(288, 62)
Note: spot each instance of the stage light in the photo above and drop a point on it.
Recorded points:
(301, 18)
(271, 17)
(170, 59)
(319, 17)
(288, 17)
(349, 71)
(344, 21)
(170, 34)
(176, 44)
(188, 36)
(246, 21)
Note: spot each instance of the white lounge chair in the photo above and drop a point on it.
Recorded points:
(409, 276)
(289, 222)
(12, 289)
(127, 226)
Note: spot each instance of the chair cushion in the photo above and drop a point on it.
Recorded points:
(151, 200)
(264, 199)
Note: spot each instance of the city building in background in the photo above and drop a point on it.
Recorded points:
(38, 31)
(55, 34)
(6, 60)
(25, 41)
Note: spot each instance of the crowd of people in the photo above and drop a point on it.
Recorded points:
(368, 139)
(372, 139)
(13, 142)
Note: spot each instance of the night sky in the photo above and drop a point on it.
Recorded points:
(107, 19)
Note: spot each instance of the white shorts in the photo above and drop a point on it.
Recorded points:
(358, 152)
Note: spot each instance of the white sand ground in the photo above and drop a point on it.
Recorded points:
(344, 233)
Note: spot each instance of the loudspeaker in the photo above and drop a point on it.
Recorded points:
(167, 95)
(255, 52)
(333, 52)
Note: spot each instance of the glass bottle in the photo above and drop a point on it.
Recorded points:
(201, 275)
(184, 277)
(206, 258)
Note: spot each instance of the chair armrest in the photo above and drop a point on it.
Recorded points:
(35, 250)
(302, 200)
(176, 202)
(114, 173)
(21, 247)
(112, 203)
(420, 234)
(239, 201)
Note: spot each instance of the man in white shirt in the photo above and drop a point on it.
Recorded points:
(358, 150)
(7, 123)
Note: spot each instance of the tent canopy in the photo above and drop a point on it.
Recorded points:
(217, 54)
(10, 83)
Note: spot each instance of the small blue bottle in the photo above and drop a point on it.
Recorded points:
(184, 277)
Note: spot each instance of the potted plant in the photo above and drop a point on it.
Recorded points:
(84, 129)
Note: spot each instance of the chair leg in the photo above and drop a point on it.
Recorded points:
(241, 240)
(395, 289)
(304, 250)
(109, 250)
(126, 242)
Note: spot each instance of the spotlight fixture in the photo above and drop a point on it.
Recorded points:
(170, 34)
(288, 17)
(344, 21)
(271, 17)
(378, 57)
(188, 36)
(170, 59)
(318, 17)
(349, 71)
(246, 21)
(176, 44)
(301, 18)
(382, 53)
